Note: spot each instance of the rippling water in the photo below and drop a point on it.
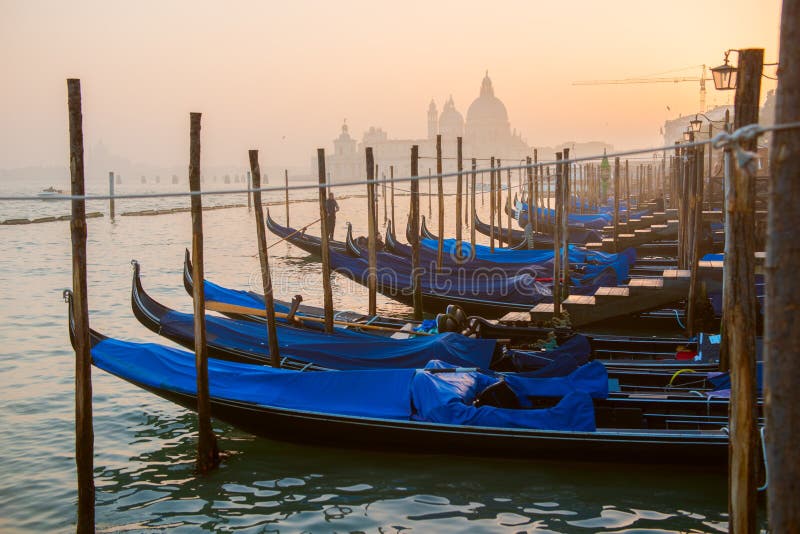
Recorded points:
(145, 446)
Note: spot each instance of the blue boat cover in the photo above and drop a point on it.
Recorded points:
(448, 398)
(592, 261)
(479, 286)
(344, 349)
(378, 393)
(595, 221)
(591, 378)
(390, 394)
(556, 362)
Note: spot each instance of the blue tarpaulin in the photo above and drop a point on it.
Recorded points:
(394, 394)
(344, 349)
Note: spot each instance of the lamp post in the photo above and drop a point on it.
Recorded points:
(724, 76)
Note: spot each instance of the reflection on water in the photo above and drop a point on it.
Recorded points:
(145, 446)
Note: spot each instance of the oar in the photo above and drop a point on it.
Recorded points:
(246, 310)
(303, 229)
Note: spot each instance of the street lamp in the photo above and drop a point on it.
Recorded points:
(688, 135)
(724, 75)
(695, 124)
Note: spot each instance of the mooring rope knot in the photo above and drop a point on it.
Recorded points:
(745, 133)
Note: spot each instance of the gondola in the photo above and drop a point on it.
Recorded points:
(246, 341)
(577, 236)
(428, 410)
(310, 243)
(242, 341)
(603, 345)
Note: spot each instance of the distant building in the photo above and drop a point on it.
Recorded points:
(485, 133)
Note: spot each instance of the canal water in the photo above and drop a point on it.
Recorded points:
(144, 446)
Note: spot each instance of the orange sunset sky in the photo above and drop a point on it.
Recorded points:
(281, 76)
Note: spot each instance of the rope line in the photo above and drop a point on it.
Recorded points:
(721, 140)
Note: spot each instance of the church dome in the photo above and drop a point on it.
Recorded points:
(487, 108)
(451, 122)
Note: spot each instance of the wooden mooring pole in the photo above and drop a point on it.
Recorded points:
(616, 204)
(531, 199)
(84, 428)
(565, 207)
(472, 213)
(459, 180)
(207, 451)
(286, 194)
(372, 223)
(391, 185)
(111, 195)
(413, 215)
(739, 307)
(440, 194)
(263, 257)
(557, 241)
(781, 342)
(535, 192)
(508, 203)
(697, 229)
(491, 205)
(326, 253)
(498, 209)
(249, 194)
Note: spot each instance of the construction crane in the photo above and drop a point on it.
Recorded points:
(702, 79)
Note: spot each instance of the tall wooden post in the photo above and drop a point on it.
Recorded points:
(557, 240)
(491, 205)
(413, 215)
(460, 168)
(508, 202)
(391, 184)
(628, 209)
(207, 452)
(616, 204)
(440, 194)
(372, 274)
(326, 253)
(286, 193)
(781, 342)
(263, 257)
(249, 183)
(739, 307)
(498, 209)
(472, 207)
(697, 228)
(84, 429)
(111, 195)
(567, 200)
(531, 199)
(535, 192)
(385, 200)
(690, 182)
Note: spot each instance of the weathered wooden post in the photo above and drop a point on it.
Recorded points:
(372, 273)
(531, 200)
(535, 192)
(690, 179)
(263, 257)
(739, 306)
(491, 205)
(391, 184)
(413, 215)
(781, 342)
(385, 200)
(111, 195)
(286, 193)
(508, 203)
(483, 190)
(628, 209)
(557, 240)
(326, 253)
(691, 322)
(498, 209)
(440, 194)
(460, 169)
(616, 204)
(84, 429)
(472, 207)
(207, 452)
(565, 207)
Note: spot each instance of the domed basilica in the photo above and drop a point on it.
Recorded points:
(485, 133)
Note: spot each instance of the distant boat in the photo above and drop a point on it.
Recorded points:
(50, 192)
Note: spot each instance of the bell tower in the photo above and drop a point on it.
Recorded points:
(433, 120)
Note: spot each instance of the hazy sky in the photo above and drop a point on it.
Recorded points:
(281, 76)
